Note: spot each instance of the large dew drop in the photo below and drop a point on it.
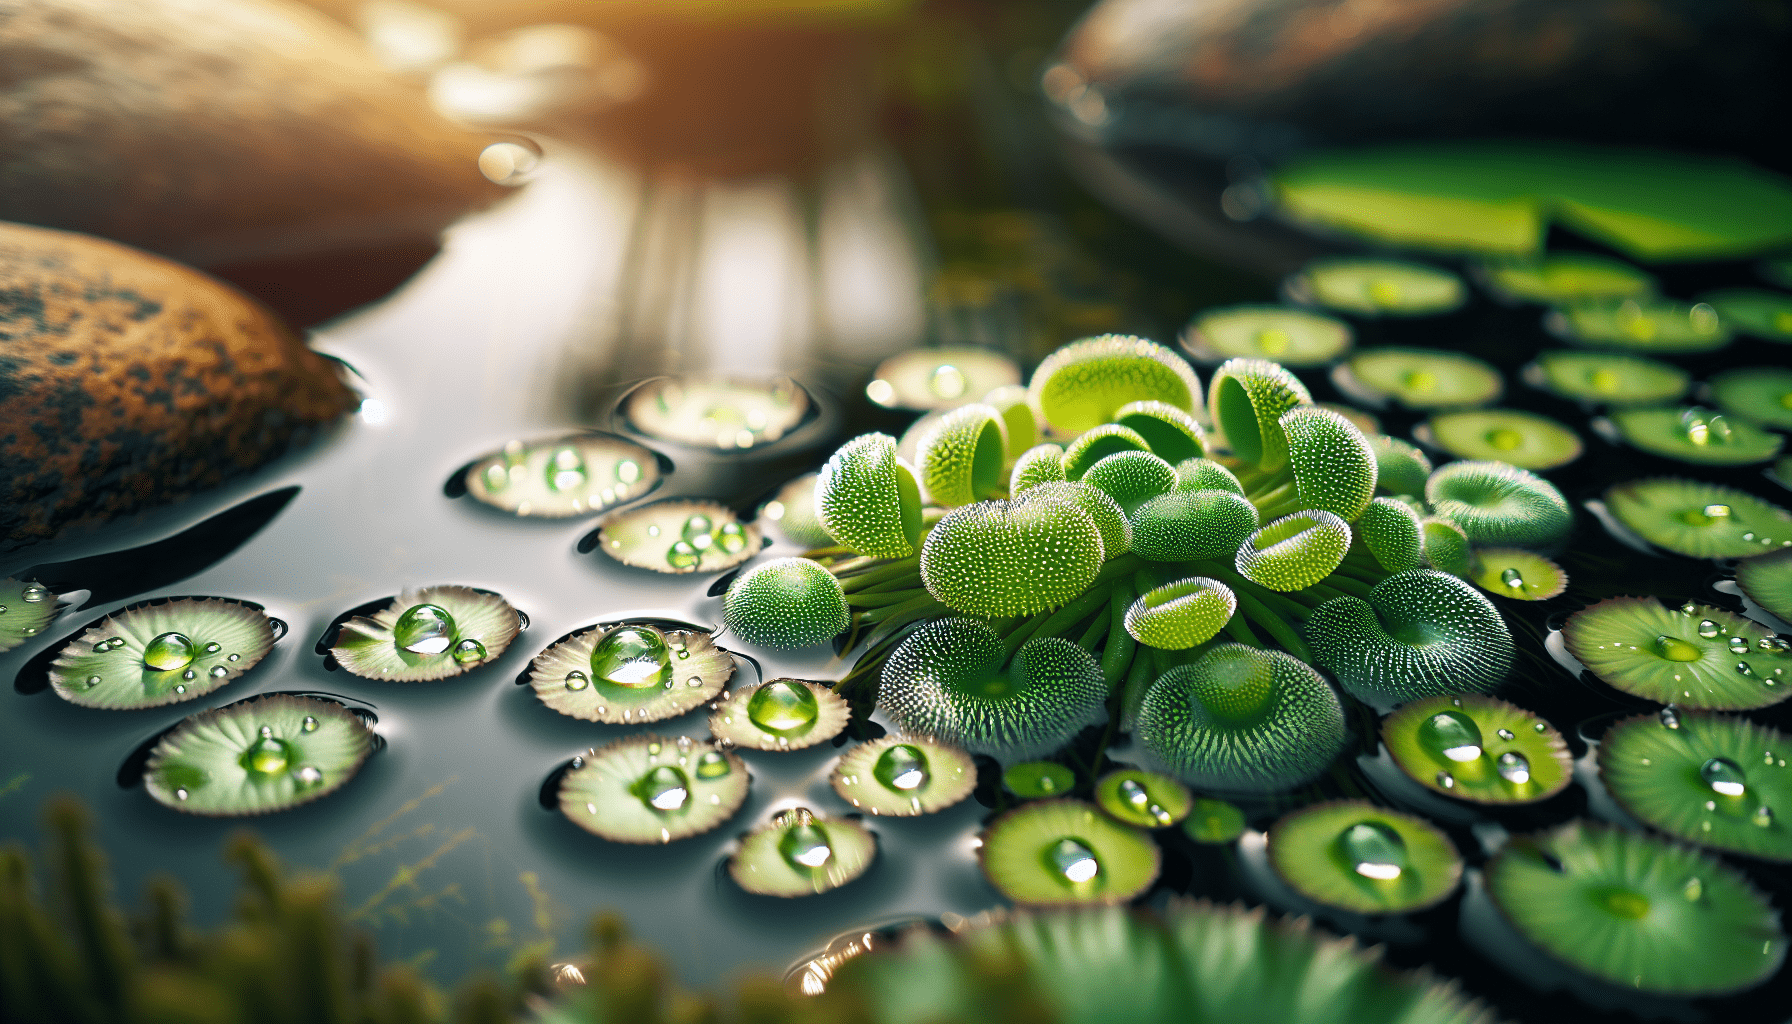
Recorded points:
(1373, 850)
(1674, 649)
(1513, 767)
(901, 767)
(665, 789)
(1724, 776)
(169, 652)
(424, 629)
(781, 706)
(1073, 861)
(1451, 734)
(267, 756)
(633, 656)
(804, 844)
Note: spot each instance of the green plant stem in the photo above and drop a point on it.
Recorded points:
(1270, 622)
(1259, 481)
(1349, 585)
(1117, 657)
(1062, 619)
(1139, 678)
(862, 600)
(1241, 632)
(1275, 498)
(1092, 637)
(875, 573)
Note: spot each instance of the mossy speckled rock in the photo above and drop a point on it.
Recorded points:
(128, 382)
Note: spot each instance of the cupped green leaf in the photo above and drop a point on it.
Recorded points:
(947, 681)
(1180, 615)
(1446, 546)
(1131, 478)
(1715, 780)
(1700, 520)
(1648, 325)
(1186, 525)
(1754, 312)
(1390, 529)
(1334, 466)
(901, 776)
(1522, 439)
(1247, 398)
(160, 652)
(568, 475)
(1565, 277)
(1084, 383)
(1355, 856)
(1290, 336)
(1759, 394)
(1109, 518)
(1378, 287)
(257, 756)
(1173, 434)
(652, 789)
(1609, 377)
(1239, 719)
(1637, 912)
(1421, 378)
(1020, 427)
(786, 603)
(26, 607)
(1767, 580)
(1098, 443)
(679, 536)
(868, 499)
(1294, 552)
(1400, 468)
(425, 634)
(1517, 574)
(1143, 799)
(1420, 634)
(780, 714)
(1697, 435)
(1206, 475)
(1059, 852)
(963, 455)
(999, 558)
(1498, 504)
(939, 378)
(717, 412)
(1040, 464)
(1478, 749)
(1695, 656)
(629, 673)
(802, 854)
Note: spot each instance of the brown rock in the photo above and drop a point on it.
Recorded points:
(127, 381)
(219, 132)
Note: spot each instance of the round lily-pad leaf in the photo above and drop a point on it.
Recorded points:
(999, 558)
(1239, 719)
(939, 378)
(1640, 913)
(1648, 325)
(1567, 277)
(1753, 311)
(1498, 504)
(1292, 337)
(1516, 573)
(962, 456)
(1693, 434)
(1247, 398)
(1716, 780)
(1040, 464)
(630, 673)
(1767, 580)
(1334, 465)
(1523, 439)
(948, 681)
(869, 499)
(1759, 394)
(786, 603)
(1700, 520)
(1400, 468)
(1355, 856)
(161, 652)
(1035, 780)
(802, 854)
(1378, 287)
(1608, 377)
(1294, 552)
(902, 776)
(26, 607)
(1420, 378)
(1173, 434)
(1478, 749)
(1180, 615)
(567, 475)
(717, 412)
(1214, 822)
(793, 511)
(653, 789)
(679, 536)
(1421, 633)
(425, 634)
(1695, 656)
(780, 714)
(1143, 799)
(1020, 425)
(257, 756)
(1081, 385)
(1051, 852)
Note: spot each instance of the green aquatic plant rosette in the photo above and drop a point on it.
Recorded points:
(1036, 780)
(901, 776)
(963, 455)
(1180, 615)
(1378, 287)
(1422, 378)
(1392, 533)
(868, 498)
(1060, 852)
(559, 477)
(1292, 337)
(1101, 508)
(802, 854)
(1695, 656)
(1700, 520)
(1420, 633)
(785, 603)
(1082, 384)
(1172, 433)
(1334, 466)
(1715, 780)
(780, 714)
(1753, 311)
(1649, 325)
(1446, 546)
(1131, 479)
(653, 789)
(1608, 378)
(998, 558)
(1185, 525)
(427, 634)
(1759, 394)
(28, 608)
(160, 653)
(1566, 277)
(1701, 436)
(257, 756)
(1355, 856)
(1517, 574)
(1478, 749)
(1642, 914)
(939, 378)
(1767, 580)
(679, 536)
(1143, 799)
(1098, 443)
(1295, 551)
(627, 673)
(1498, 504)
(1522, 439)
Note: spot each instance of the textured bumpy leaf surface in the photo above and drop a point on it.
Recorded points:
(1500, 505)
(786, 603)
(1084, 383)
(868, 499)
(1421, 633)
(999, 558)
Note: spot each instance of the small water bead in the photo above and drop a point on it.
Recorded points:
(181, 793)
(218, 672)
(698, 530)
(804, 843)
(212, 648)
(902, 767)
(169, 652)
(732, 538)
(497, 476)
(1512, 578)
(1745, 670)
(781, 706)
(628, 471)
(1446, 780)
(34, 594)
(424, 629)
(510, 163)
(576, 680)
(1724, 776)
(308, 725)
(1073, 861)
(1675, 649)
(664, 789)
(1373, 850)
(1504, 734)
(1763, 816)
(267, 756)
(1540, 727)
(633, 656)
(1669, 717)
(309, 775)
(566, 470)
(712, 765)
(234, 657)
(1704, 427)
(654, 748)
(469, 652)
(947, 382)
(1738, 645)
(681, 555)
(180, 688)
(189, 675)
(1708, 629)
(1693, 890)
(1451, 734)
(1134, 794)
(1513, 767)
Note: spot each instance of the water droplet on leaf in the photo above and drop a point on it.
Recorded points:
(632, 656)
(1513, 767)
(781, 706)
(902, 767)
(267, 756)
(1451, 734)
(424, 629)
(712, 765)
(169, 652)
(664, 789)
(308, 725)
(804, 844)
(1073, 861)
(1724, 776)
(469, 652)
(1374, 850)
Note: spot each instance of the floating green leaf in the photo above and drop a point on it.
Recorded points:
(567, 475)
(717, 412)
(1759, 394)
(1650, 325)
(426, 634)
(1355, 856)
(1693, 434)
(780, 714)
(1478, 749)
(1700, 520)
(1695, 656)
(901, 776)
(1716, 780)
(939, 378)
(1517, 574)
(1055, 852)
(1378, 287)
(653, 789)
(800, 854)
(257, 756)
(1754, 312)
(159, 653)
(679, 536)
(1522, 439)
(1292, 337)
(1610, 377)
(26, 607)
(630, 673)
(1143, 799)
(1565, 277)
(1035, 780)
(1767, 580)
(1421, 378)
